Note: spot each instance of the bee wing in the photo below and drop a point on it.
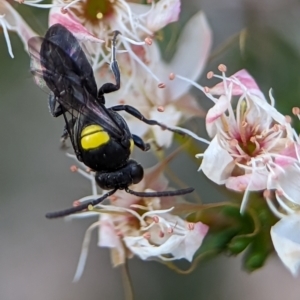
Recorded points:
(59, 64)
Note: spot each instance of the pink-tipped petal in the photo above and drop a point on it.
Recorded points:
(215, 113)
(67, 20)
(243, 81)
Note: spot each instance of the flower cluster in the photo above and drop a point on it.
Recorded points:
(255, 149)
(144, 227)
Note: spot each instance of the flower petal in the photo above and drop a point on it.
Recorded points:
(215, 113)
(164, 13)
(16, 22)
(193, 48)
(67, 20)
(170, 116)
(217, 163)
(286, 240)
(246, 80)
(288, 181)
(257, 181)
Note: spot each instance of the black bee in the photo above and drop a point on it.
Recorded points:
(100, 136)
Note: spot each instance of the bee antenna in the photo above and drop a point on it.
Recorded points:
(75, 209)
(160, 194)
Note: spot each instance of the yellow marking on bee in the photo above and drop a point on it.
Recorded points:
(93, 136)
(131, 145)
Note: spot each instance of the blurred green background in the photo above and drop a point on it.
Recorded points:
(38, 257)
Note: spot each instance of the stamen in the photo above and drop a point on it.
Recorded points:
(74, 168)
(160, 109)
(190, 226)
(6, 36)
(147, 235)
(161, 85)
(148, 41)
(172, 76)
(222, 68)
(155, 219)
(210, 75)
(131, 41)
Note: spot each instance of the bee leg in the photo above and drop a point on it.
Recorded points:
(67, 127)
(140, 143)
(134, 112)
(54, 111)
(110, 87)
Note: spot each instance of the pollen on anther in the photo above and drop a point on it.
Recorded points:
(210, 75)
(222, 68)
(99, 15)
(172, 76)
(160, 109)
(161, 85)
(74, 168)
(148, 40)
(161, 234)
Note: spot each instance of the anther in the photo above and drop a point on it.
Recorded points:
(244, 124)
(170, 230)
(74, 168)
(288, 119)
(206, 89)
(63, 10)
(155, 219)
(296, 111)
(242, 187)
(161, 234)
(160, 109)
(279, 192)
(267, 193)
(233, 142)
(76, 203)
(222, 68)
(147, 235)
(210, 75)
(190, 226)
(148, 40)
(161, 85)
(172, 76)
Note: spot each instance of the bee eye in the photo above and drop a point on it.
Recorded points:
(137, 173)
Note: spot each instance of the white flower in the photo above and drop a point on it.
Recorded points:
(10, 20)
(136, 22)
(145, 227)
(171, 104)
(286, 240)
(248, 135)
